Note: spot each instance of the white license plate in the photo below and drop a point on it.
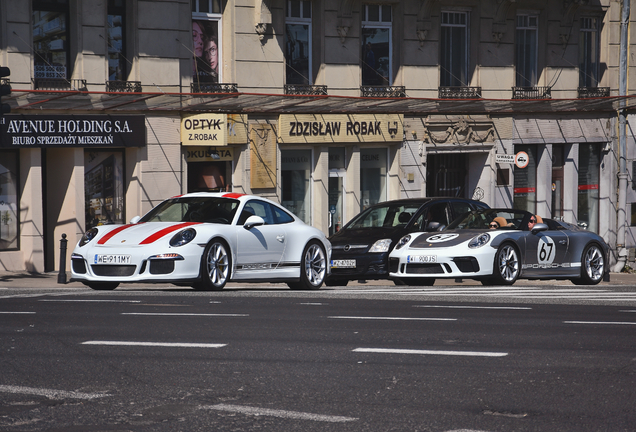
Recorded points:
(422, 259)
(112, 259)
(343, 263)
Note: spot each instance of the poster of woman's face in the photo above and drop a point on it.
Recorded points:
(206, 51)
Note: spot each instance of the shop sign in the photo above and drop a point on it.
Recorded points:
(33, 131)
(340, 128)
(211, 129)
(208, 154)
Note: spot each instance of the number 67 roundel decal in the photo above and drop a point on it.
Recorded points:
(546, 250)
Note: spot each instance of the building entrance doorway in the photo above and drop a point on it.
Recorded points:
(446, 175)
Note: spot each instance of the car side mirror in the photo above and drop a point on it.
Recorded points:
(135, 219)
(432, 226)
(539, 227)
(253, 221)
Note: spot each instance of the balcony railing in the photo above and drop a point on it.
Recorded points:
(532, 92)
(213, 88)
(59, 84)
(460, 92)
(123, 86)
(304, 89)
(593, 92)
(383, 91)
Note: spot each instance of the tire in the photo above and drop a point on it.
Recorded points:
(102, 286)
(506, 267)
(215, 267)
(592, 266)
(313, 268)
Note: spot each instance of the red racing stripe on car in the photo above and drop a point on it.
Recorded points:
(233, 195)
(109, 235)
(156, 236)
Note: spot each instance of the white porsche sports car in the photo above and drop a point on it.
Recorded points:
(205, 240)
(498, 246)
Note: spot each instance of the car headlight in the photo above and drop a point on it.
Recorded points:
(479, 241)
(183, 237)
(403, 241)
(381, 246)
(88, 236)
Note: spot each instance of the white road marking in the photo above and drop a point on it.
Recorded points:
(183, 314)
(51, 394)
(430, 352)
(313, 304)
(600, 322)
(155, 344)
(473, 307)
(296, 415)
(392, 318)
(18, 313)
(90, 301)
(628, 311)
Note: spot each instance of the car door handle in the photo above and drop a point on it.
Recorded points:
(563, 241)
(280, 238)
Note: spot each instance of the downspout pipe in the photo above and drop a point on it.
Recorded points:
(622, 141)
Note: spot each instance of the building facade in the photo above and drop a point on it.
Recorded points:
(324, 106)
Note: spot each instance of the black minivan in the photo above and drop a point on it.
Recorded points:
(361, 248)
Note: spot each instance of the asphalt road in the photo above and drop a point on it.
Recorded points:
(360, 358)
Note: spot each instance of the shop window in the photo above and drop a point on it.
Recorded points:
(103, 187)
(298, 42)
(589, 53)
(206, 41)
(116, 31)
(295, 180)
(376, 45)
(373, 175)
(207, 177)
(9, 223)
(51, 57)
(525, 179)
(526, 45)
(454, 49)
(588, 200)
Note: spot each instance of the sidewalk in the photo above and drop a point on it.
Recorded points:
(49, 280)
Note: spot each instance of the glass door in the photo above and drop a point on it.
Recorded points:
(336, 200)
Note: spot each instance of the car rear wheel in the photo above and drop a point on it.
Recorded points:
(592, 266)
(313, 268)
(215, 267)
(102, 286)
(506, 266)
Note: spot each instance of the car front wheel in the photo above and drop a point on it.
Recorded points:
(215, 267)
(313, 268)
(592, 266)
(506, 265)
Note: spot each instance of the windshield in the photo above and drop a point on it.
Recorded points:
(388, 216)
(490, 219)
(194, 209)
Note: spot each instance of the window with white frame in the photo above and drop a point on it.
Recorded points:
(589, 53)
(298, 42)
(376, 45)
(526, 45)
(206, 41)
(454, 49)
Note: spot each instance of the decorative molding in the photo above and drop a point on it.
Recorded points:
(458, 130)
(263, 17)
(424, 19)
(342, 33)
(499, 21)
